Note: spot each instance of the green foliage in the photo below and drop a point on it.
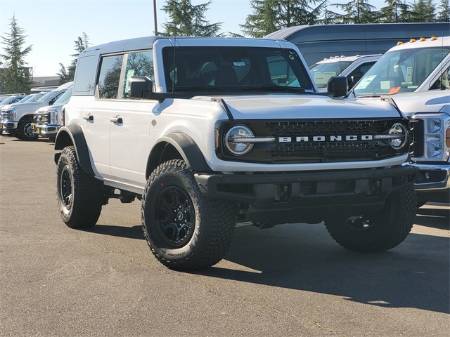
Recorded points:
(68, 74)
(395, 11)
(271, 15)
(357, 11)
(444, 11)
(15, 76)
(186, 19)
(422, 11)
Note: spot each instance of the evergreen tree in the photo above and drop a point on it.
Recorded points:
(422, 11)
(394, 11)
(271, 15)
(68, 74)
(16, 77)
(186, 19)
(444, 13)
(357, 11)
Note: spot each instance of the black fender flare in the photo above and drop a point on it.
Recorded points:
(73, 135)
(186, 147)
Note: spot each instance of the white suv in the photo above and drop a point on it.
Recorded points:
(207, 132)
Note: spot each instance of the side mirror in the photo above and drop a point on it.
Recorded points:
(141, 87)
(338, 86)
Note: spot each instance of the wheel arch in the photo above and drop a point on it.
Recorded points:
(177, 145)
(72, 135)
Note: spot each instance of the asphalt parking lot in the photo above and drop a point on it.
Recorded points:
(292, 280)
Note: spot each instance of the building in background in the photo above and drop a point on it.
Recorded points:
(320, 41)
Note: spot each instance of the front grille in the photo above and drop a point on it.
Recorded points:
(292, 151)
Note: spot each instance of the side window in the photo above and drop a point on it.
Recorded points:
(85, 74)
(109, 77)
(443, 82)
(139, 64)
(358, 73)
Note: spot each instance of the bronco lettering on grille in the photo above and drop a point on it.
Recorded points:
(333, 138)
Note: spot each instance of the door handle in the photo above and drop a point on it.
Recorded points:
(89, 118)
(117, 120)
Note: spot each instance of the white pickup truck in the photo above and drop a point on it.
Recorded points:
(416, 77)
(16, 119)
(208, 132)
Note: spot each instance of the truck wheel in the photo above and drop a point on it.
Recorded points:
(377, 232)
(79, 195)
(24, 130)
(184, 230)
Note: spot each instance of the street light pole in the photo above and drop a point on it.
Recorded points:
(155, 17)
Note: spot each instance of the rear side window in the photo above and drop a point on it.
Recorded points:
(139, 64)
(109, 77)
(85, 73)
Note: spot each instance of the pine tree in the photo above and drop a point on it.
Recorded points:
(394, 11)
(357, 11)
(68, 74)
(16, 77)
(271, 15)
(186, 19)
(444, 13)
(422, 11)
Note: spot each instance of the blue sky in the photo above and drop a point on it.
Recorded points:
(53, 25)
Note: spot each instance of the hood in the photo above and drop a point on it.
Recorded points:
(304, 107)
(48, 108)
(24, 107)
(422, 102)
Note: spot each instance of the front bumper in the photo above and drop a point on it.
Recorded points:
(432, 182)
(8, 126)
(347, 188)
(45, 129)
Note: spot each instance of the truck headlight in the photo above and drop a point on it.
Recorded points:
(434, 147)
(401, 132)
(233, 137)
(434, 125)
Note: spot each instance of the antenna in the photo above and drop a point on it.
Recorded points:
(155, 17)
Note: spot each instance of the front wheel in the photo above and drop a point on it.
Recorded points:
(184, 230)
(24, 129)
(380, 231)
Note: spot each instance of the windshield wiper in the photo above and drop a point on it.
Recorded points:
(275, 89)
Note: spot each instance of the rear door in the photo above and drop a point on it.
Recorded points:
(98, 113)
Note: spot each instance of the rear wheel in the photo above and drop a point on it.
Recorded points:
(184, 230)
(24, 129)
(378, 231)
(79, 196)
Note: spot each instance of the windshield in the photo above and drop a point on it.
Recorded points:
(11, 99)
(234, 69)
(34, 98)
(47, 97)
(64, 98)
(400, 71)
(322, 72)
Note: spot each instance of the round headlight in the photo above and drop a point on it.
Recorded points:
(401, 132)
(232, 140)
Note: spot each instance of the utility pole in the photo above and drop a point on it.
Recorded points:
(155, 17)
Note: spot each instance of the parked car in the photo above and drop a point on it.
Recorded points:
(352, 67)
(11, 100)
(47, 120)
(207, 131)
(17, 118)
(415, 76)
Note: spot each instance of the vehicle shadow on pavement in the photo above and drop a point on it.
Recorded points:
(304, 257)
(434, 217)
(413, 275)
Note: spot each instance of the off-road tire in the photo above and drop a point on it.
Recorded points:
(23, 131)
(388, 227)
(213, 227)
(87, 193)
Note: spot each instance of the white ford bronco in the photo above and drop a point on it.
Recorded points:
(208, 132)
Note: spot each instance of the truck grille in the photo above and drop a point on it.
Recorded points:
(289, 149)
